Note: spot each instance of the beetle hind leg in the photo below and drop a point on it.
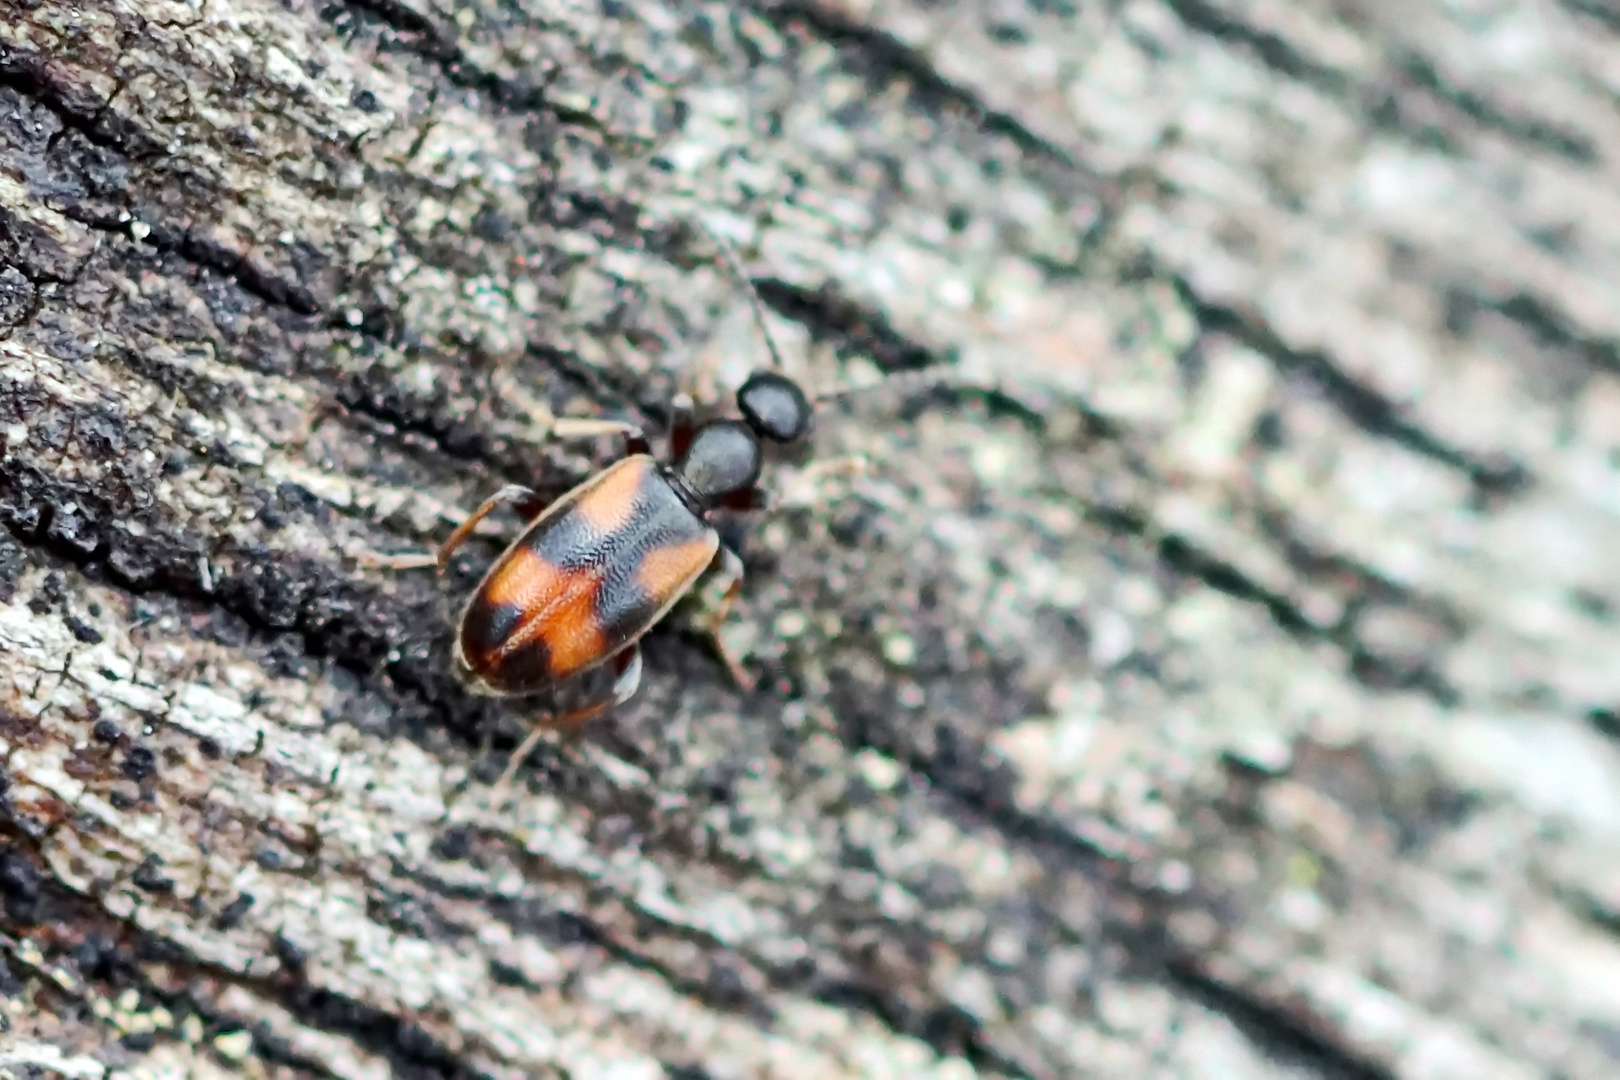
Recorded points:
(627, 679)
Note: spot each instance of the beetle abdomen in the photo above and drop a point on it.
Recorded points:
(589, 576)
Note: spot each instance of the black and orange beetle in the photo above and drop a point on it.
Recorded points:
(563, 609)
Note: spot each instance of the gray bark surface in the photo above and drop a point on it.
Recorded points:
(1222, 681)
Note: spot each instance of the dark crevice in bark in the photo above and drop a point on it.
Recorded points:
(439, 45)
(261, 283)
(960, 767)
(24, 73)
(1275, 52)
(1376, 671)
(686, 1072)
(1189, 559)
(1606, 721)
(1385, 112)
(434, 41)
(828, 975)
(722, 986)
(1604, 12)
(1366, 584)
(372, 399)
(272, 595)
(117, 955)
(962, 775)
(1532, 132)
(856, 329)
(620, 397)
(1366, 665)
(13, 255)
(100, 948)
(410, 1049)
(1494, 476)
(77, 936)
(1554, 329)
(1282, 1033)
(886, 57)
(272, 1048)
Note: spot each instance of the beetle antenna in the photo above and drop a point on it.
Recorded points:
(728, 254)
(1024, 400)
(909, 381)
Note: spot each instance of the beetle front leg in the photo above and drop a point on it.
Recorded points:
(511, 493)
(528, 502)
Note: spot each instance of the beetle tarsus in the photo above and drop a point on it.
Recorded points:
(410, 560)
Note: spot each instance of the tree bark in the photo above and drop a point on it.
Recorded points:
(1218, 678)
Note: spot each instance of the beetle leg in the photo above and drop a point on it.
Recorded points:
(412, 560)
(730, 572)
(627, 664)
(511, 493)
(529, 502)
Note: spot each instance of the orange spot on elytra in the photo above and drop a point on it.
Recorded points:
(524, 580)
(608, 504)
(558, 606)
(667, 571)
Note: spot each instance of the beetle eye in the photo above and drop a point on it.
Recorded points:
(774, 407)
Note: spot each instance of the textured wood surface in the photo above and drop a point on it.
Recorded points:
(1226, 684)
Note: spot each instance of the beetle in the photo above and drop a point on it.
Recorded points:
(563, 609)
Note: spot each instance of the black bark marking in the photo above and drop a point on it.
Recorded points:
(884, 58)
(1286, 1035)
